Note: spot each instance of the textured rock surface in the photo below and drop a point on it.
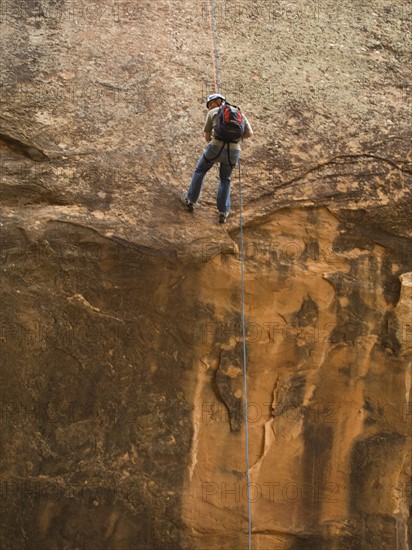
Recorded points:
(122, 406)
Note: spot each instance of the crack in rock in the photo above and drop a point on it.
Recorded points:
(27, 150)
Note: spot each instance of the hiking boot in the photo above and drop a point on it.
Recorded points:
(189, 205)
(223, 217)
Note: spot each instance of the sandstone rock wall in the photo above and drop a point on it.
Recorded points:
(122, 401)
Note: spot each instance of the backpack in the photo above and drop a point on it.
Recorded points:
(230, 123)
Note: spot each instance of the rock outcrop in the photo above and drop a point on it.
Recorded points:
(122, 393)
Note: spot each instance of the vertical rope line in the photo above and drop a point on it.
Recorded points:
(217, 89)
(242, 263)
(214, 45)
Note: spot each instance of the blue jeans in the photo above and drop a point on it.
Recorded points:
(225, 171)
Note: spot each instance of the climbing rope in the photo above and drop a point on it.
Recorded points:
(242, 262)
(212, 28)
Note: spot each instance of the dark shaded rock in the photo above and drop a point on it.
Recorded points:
(228, 381)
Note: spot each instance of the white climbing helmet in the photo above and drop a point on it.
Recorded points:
(211, 97)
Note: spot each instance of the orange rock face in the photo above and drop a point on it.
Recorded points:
(329, 444)
(124, 412)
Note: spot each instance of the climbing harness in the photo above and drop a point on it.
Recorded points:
(242, 262)
(218, 155)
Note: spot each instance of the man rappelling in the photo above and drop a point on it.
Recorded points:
(224, 129)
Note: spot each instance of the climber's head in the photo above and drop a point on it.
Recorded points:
(214, 100)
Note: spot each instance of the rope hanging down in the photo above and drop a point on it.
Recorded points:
(212, 27)
(242, 261)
